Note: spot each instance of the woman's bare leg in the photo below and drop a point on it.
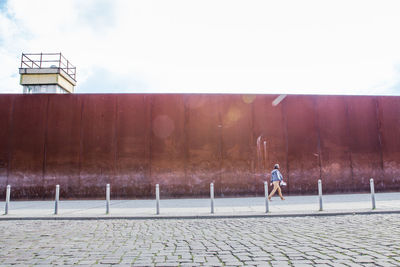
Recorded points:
(276, 186)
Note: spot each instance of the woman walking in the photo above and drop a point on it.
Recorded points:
(276, 179)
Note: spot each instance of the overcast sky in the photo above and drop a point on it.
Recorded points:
(216, 46)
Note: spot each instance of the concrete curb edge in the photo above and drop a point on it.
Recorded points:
(191, 217)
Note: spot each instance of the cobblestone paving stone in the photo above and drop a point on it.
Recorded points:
(358, 240)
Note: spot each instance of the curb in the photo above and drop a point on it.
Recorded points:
(195, 217)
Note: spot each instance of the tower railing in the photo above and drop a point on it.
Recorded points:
(48, 60)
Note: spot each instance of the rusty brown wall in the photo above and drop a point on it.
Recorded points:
(185, 141)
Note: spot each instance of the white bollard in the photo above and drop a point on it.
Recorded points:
(212, 196)
(108, 198)
(7, 199)
(371, 183)
(157, 199)
(320, 194)
(266, 197)
(57, 199)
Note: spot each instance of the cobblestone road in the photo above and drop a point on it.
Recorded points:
(359, 240)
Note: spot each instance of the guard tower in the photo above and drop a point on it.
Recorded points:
(47, 73)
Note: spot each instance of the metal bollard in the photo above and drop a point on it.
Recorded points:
(371, 183)
(57, 199)
(212, 196)
(266, 197)
(157, 199)
(320, 194)
(107, 198)
(7, 199)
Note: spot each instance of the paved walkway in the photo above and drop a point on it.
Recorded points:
(192, 208)
(353, 240)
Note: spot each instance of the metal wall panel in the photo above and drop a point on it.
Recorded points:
(269, 128)
(237, 174)
(203, 136)
(302, 141)
(168, 144)
(27, 146)
(336, 172)
(365, 147)
(6, 107)
(389, 133)
(98, 144)
(63, 145)
(133, 132)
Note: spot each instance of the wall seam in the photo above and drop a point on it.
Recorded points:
(252, 150)
(81, 143)
(151, 136)
(186, 112)
(318, 128)
(286, 132)
(115, 136)
(45, 144)
(10, 134)
(221, 160)
(349, 142)
(379, 128)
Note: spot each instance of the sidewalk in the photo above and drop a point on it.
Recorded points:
(200, 208)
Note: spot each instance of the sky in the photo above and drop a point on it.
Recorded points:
(349, 47)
